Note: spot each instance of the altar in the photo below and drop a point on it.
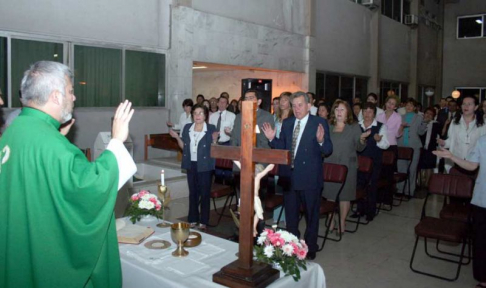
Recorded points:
(147, 268)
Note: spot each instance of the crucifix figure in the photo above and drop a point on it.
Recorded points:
(244, 272)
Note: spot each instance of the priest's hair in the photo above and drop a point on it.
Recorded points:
(41, 79)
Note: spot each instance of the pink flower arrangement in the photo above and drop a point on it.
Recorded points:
(283, 249)
(144, 203)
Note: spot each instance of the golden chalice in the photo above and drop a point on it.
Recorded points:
(179, 233)
(164, 196)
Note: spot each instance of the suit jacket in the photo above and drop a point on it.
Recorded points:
(261, 141)
(416, 129)
(442, 116)
(204, 161)
(307, 172)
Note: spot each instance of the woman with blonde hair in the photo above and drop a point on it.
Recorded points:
(347, 140)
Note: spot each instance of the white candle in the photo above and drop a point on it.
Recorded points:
(162, 180)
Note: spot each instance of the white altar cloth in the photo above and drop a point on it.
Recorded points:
(147, 268)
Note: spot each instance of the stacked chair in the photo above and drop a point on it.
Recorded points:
(226, 189)
(365, 166)
(333, 173)
(447, 228)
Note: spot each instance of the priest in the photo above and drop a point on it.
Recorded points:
(57, 226)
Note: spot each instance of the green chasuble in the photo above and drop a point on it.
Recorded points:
(57, 226)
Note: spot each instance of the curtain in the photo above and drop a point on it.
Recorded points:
(25, 53)
(97, 76)
(145, 78)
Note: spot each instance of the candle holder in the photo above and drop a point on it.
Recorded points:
(164, 196)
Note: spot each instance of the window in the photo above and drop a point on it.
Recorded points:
(24, 54)
(426, 101)
(478, 92)
(334, 86)
(103, 76)
(395, 9)
(400, 89)
(471, 26)
(97, 76)
(144, 78)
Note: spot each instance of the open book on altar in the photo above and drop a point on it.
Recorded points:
(131, 234)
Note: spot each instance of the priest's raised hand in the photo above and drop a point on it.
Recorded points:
(122, 118)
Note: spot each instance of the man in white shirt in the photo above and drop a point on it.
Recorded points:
(312, 99)
(223, 120)
(372, 98)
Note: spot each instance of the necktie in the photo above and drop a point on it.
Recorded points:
(294, 141)
(218, 126)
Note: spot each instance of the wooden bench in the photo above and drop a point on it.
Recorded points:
(162, 141)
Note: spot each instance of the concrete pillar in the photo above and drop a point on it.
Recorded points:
(413, 85)
(374, 80)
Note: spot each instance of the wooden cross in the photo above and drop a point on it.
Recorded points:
(244, 272)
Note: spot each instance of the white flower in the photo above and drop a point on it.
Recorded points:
(268, 250)
(286, 236)
(146, 205)
(146, 196)
(261, 239)
(288, 249)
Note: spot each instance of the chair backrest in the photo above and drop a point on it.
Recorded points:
(388, 158)
(462, 172)
(365, 164)
(405, 153)
(451, 185)
(226, 164)
(335, 173)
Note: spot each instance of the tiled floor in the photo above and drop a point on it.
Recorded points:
(378, 255)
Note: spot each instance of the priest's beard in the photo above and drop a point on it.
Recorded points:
(67, 111)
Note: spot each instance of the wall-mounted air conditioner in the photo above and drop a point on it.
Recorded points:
(371, 4)
(411, 20)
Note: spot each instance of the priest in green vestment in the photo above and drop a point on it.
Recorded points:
(57, 226)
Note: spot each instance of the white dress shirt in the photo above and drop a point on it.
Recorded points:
(383, 143)
(227, 120)
(461, 139)
(183, 120)
(313, 110)
(195, 139)
(303, 122)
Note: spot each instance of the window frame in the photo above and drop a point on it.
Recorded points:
(68, 59)
(470, 16)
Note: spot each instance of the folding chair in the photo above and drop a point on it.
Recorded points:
(386, 185)
(444, 229)
(333, 173)
(222, 190)
(365, 166)
(406, 154)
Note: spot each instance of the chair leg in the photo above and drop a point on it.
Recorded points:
(459, 263)
(358, 221)
(324, 238)
(229, 197)
(468, 257)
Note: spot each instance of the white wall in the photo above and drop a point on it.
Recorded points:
(212, 83)
(288, 15)
(132, 22)
(394, 50)
(140, 23)
(342, 37)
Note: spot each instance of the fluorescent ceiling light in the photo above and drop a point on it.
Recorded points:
(479, 21)
(199, 67)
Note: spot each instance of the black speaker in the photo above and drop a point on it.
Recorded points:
(264, 86)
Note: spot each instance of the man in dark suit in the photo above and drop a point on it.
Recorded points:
(307, 138)
(262, 117)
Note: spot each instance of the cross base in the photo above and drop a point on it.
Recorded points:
(259, 275)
